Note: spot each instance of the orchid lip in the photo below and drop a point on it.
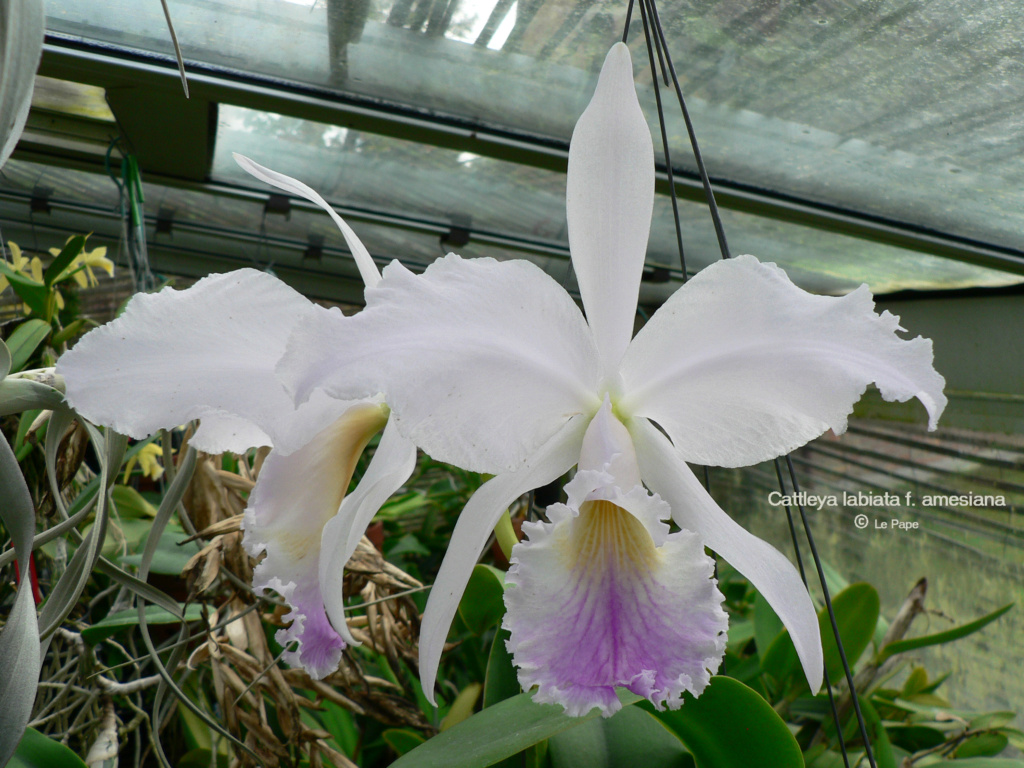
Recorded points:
(604, 596)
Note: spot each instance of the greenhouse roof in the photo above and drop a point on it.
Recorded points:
(849, 143)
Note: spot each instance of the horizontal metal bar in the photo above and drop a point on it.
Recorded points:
(107, 65)
(36, 152)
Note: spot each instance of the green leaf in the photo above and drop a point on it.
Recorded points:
(169, 557)
(618, 742)
(339, 723)
(822, 757)
(901, 646)
(54, 273)
(987, 762)
(24, 422)
(483, 602)
(400, 505)
(408, 545)
(462, 708)
(402, 740)
(19, 638)
(856, 609)
(38, 751)
(915, 738)
(992, 720)
(5, 360)
(505, 729)
(881, 747)
(69, 331)
(767, 626)
(500, 681)
(17, 395)
(741, 631)
(983, 745)
(36, 295)
(122, 535)
(128, 619)
(731, 726)
(24, 341)
(130, 503)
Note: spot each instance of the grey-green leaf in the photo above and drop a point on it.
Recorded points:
(505, 729)
(19, 640)
(938, 638)
(17, 395)
(24, 341)
(628, 738)
(5, 360)
(123, 620)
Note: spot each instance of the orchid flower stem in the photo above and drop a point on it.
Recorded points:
(506, 535)
(832, 618)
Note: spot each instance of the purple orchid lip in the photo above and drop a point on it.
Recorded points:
(604, 596)
(296, 497)
(593, 604)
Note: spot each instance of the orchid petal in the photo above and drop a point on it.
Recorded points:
(740, 366)
(594, 602)
(294, 499)
(771, 573)
(364, 262)
(472, 531)
(482, 361)
(607, 446)
(609, 200)
(392, 464)
(207, 352)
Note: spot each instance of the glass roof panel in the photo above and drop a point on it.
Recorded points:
(897, 109)
(211, 231)
(440, 188)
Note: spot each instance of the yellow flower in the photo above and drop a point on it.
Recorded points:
(84, 264)
(30, 268)
(18, 263)
(148, 459)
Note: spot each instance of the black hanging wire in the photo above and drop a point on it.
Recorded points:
(664, 135)
(653, 29)
(709, 194)
(803, 577)
(835, 627)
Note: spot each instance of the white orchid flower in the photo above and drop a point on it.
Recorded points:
(208, 353)
(491, 366)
